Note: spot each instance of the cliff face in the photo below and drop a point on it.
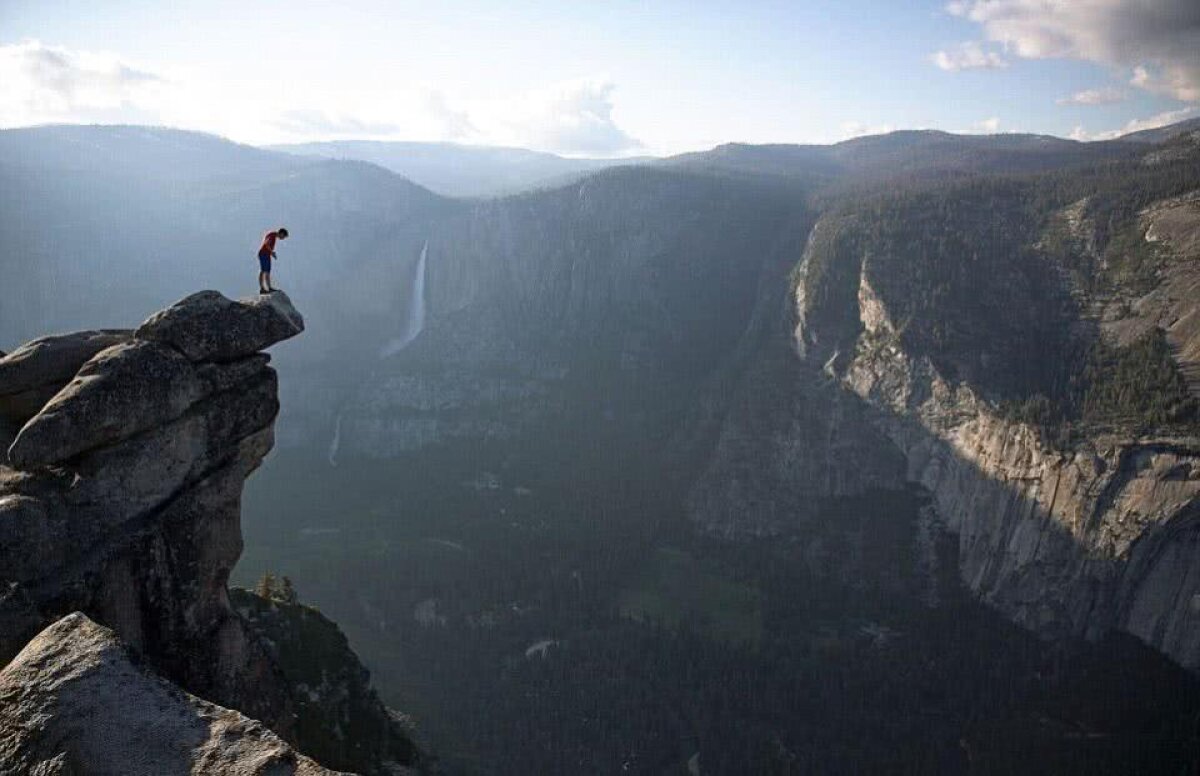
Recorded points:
(773, 442)
(119, 495)
(1171, 228)
(1072, 541)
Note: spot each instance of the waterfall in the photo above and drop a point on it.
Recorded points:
(335, 444)
(415, 323)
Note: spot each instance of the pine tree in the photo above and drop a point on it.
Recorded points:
(287, 593)
(266, 586)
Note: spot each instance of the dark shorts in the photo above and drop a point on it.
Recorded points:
(264, 262)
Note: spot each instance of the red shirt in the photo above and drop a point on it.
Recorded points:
(268, 243)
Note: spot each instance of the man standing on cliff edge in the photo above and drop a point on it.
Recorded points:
(266, 252)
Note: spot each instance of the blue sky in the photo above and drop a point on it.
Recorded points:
(601, 78)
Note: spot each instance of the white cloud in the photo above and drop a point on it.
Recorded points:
(1103, 96)
(389, 112)
(574, 117)
(1136, 125)
(852, 129)
(41, 83)
(990, 126)
(302, 121)
(970, 55)
(1159, 42)
(456, 123)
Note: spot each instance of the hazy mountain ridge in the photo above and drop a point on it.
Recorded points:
(863, 162)
(456, 170)
(149, 152)
(1163, 134)
(168, 226)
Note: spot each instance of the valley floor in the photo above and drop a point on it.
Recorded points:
(535, 627)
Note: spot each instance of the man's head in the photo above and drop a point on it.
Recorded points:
(282, 233)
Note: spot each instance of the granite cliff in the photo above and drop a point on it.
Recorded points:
(1068, 535)
(119, 525)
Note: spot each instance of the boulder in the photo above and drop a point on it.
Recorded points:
(120, 392)
(75, 701)
(33, 373)
(207, 326)
(53, 359)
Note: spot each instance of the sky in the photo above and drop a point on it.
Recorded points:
(611, 78)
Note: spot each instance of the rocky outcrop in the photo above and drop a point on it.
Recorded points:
(120, 495)
(208, 327)
(77, 701)
(121, 500)
(32, 374)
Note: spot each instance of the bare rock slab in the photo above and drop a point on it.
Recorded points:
(207, 326)
(75, 701)
(34, 372)
(123, 390)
